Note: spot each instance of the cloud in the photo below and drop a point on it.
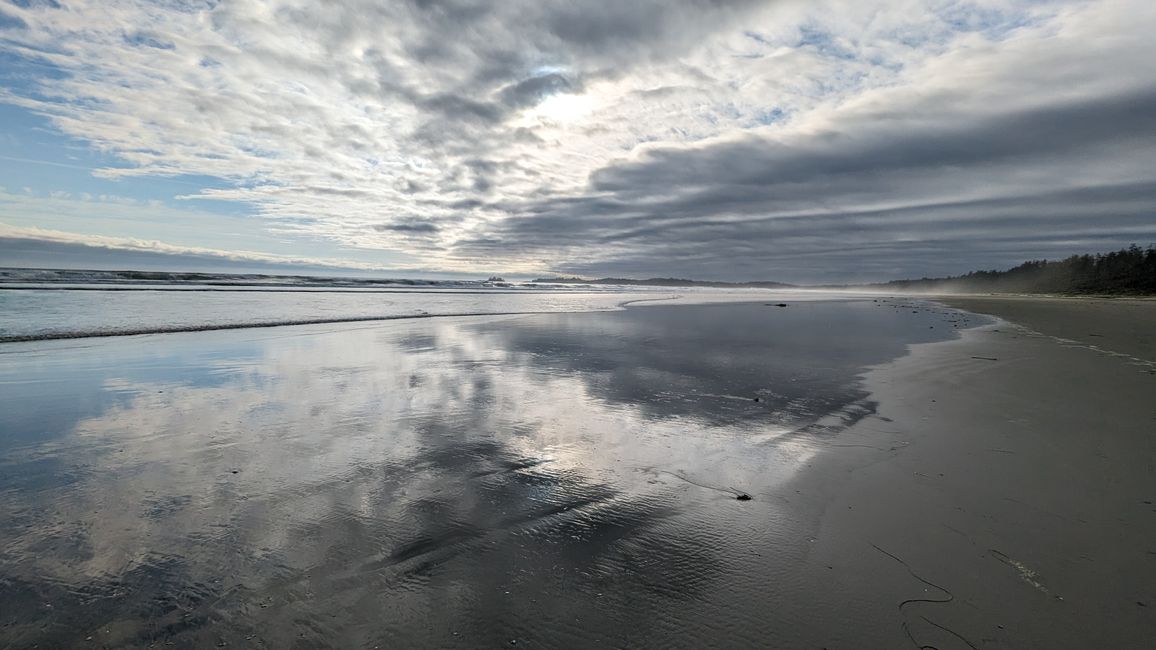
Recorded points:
(789, 140)
(19, 246)
(415, 227)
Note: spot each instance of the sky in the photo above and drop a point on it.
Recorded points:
(798, 141)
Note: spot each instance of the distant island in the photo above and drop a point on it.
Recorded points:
(665, 282)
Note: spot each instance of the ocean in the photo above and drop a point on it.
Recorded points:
(30, 311)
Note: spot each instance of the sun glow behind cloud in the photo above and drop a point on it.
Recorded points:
(562, 108)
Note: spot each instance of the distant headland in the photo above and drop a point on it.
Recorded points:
(1130, 271)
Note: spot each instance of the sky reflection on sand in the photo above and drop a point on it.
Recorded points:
(454, 481)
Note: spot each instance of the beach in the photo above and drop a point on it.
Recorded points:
(1017, 484)
(917, 476)
(1126, 325)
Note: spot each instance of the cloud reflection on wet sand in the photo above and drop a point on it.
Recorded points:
(456, 481)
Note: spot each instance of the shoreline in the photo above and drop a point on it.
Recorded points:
(66, 335)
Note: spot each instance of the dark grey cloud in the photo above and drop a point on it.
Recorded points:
(408, 227)
(508, 56)
(872, 143)
(23, 252)
(535, 89)
(462, 108)
(872, 200)
(18, 252)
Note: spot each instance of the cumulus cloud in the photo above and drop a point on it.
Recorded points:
(790, 140)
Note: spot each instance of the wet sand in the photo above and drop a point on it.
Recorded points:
(558, 480)
(1124, 325)
(569, 480)
(1017, 492)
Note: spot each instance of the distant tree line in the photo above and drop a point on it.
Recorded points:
(1128, 271)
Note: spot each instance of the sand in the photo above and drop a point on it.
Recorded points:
(1022, 488)
(1124, 325)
